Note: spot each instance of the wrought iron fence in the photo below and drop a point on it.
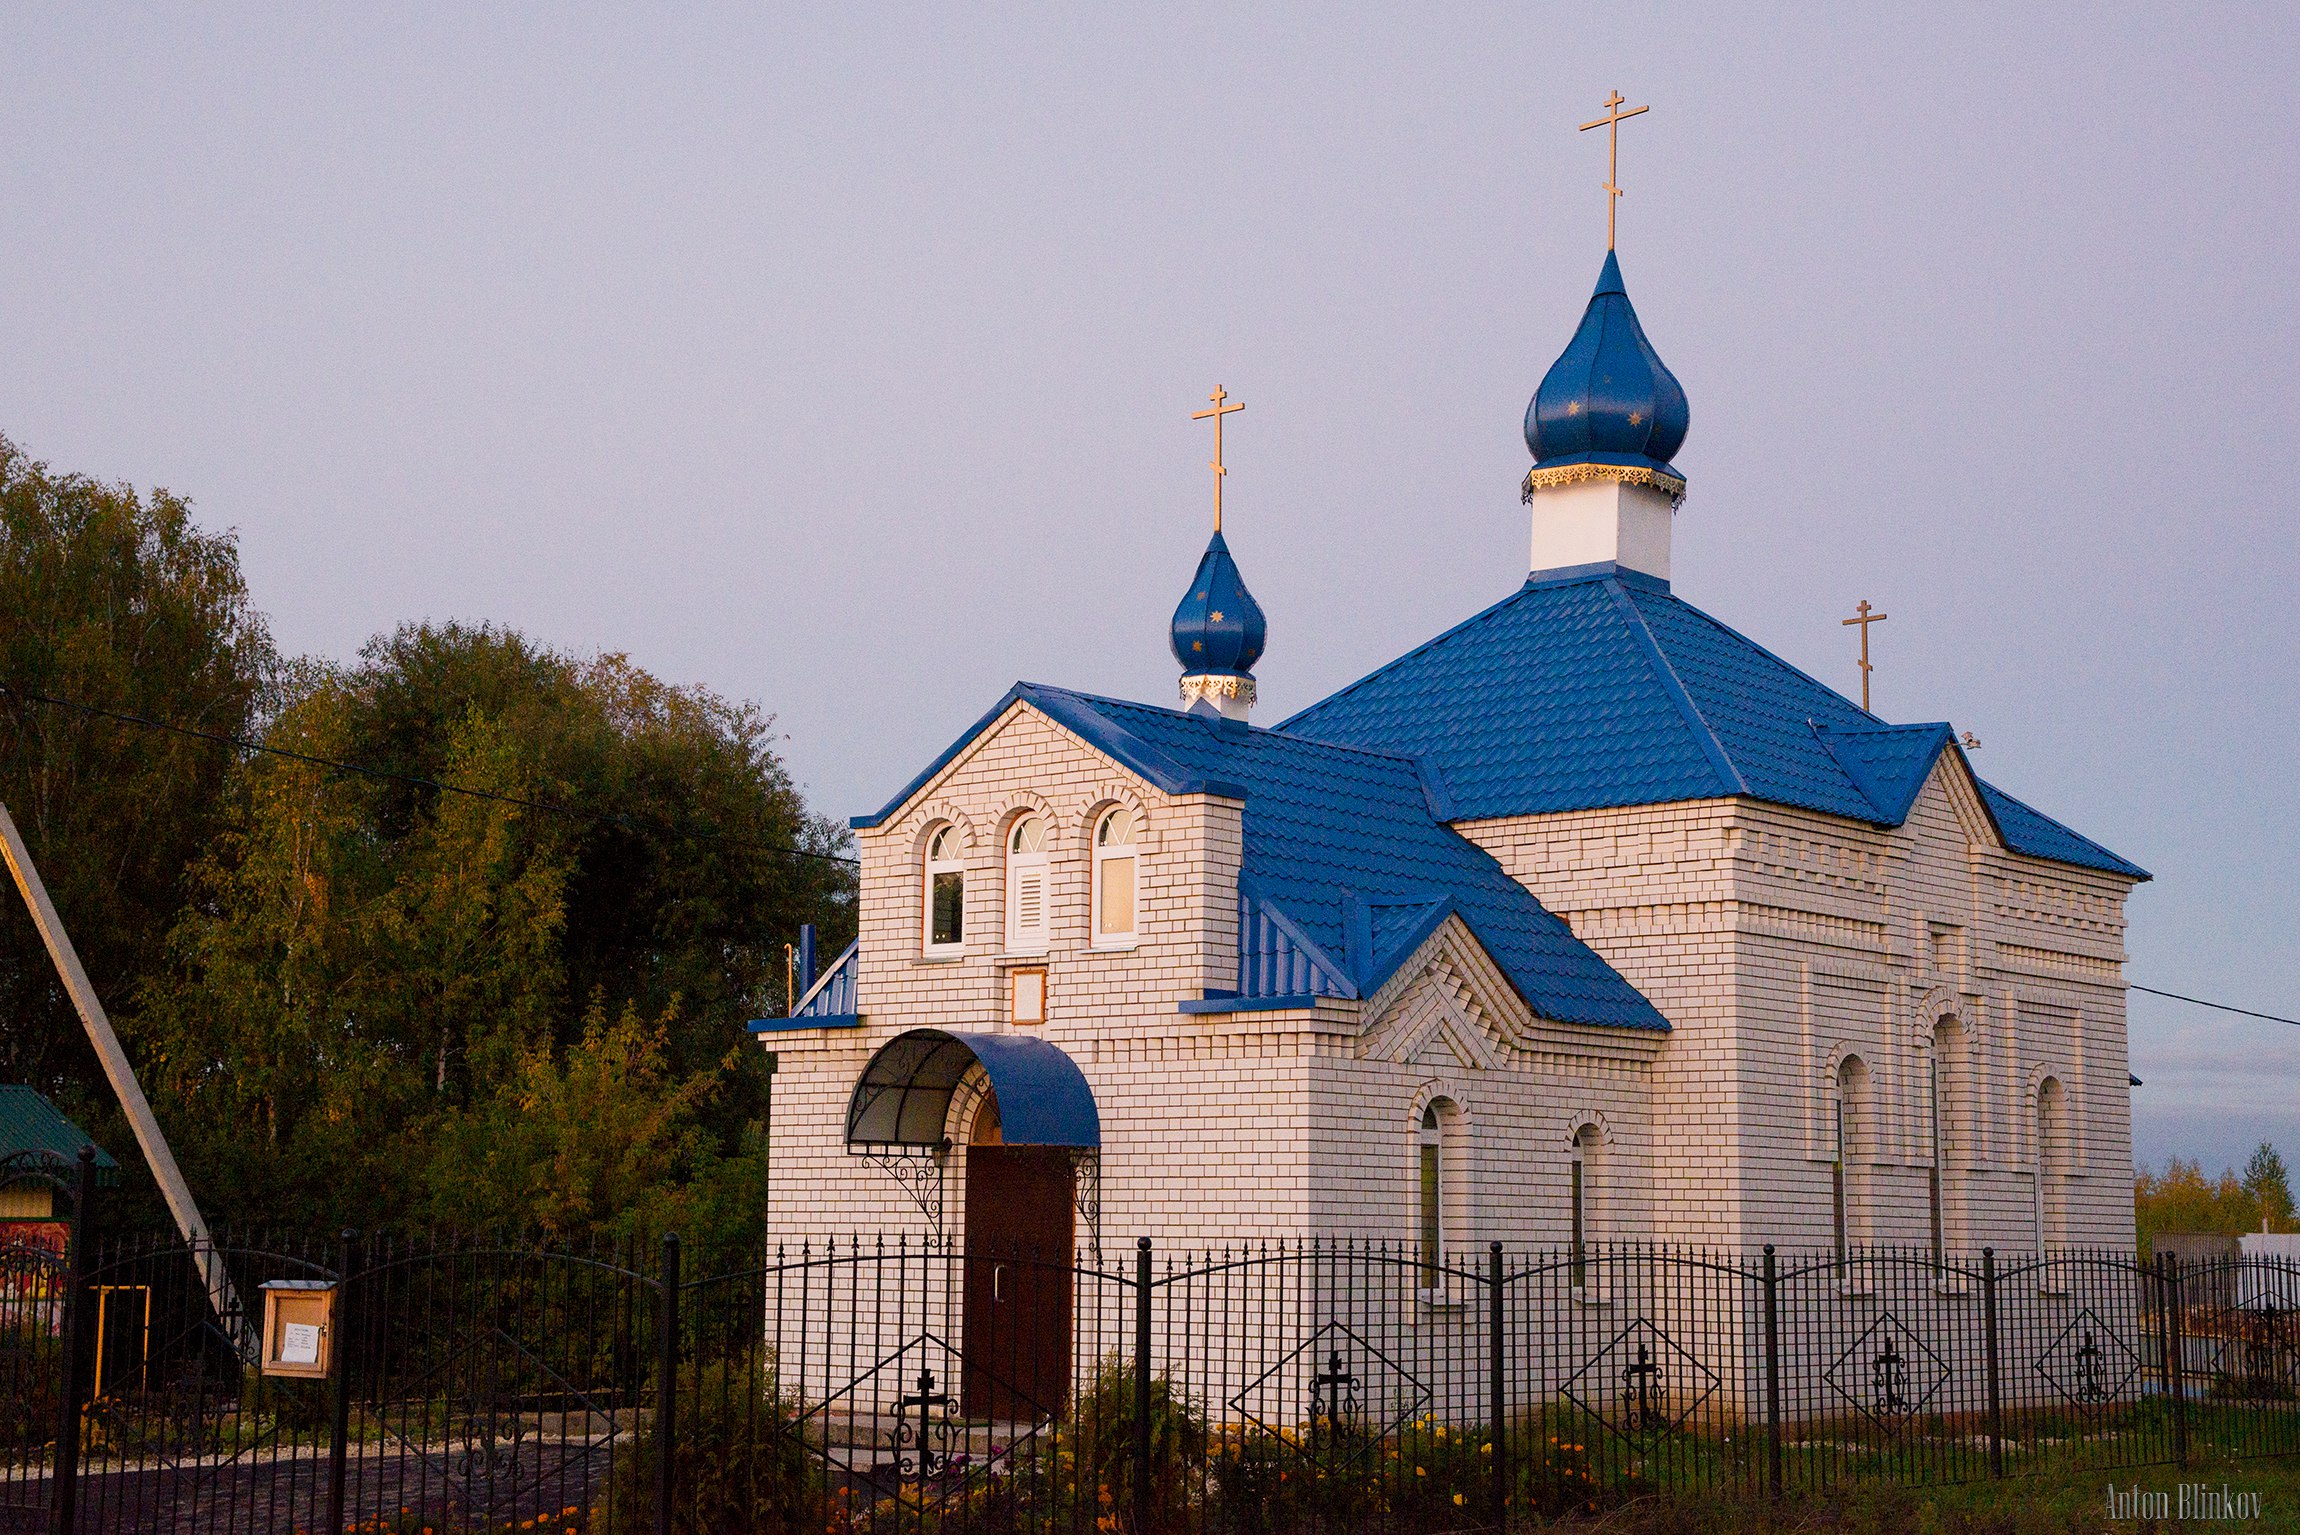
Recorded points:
(891, 1386)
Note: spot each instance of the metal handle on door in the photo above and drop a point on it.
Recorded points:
(998, 1281)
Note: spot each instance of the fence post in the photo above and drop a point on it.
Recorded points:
(1996, 1378)
(1772, 1374)
(2174, 1348)
(667, 1388)
(1142, 1386)
(339, 1361)
(1497, 1387)
(64, 1474)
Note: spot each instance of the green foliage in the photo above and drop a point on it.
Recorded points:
(739, 1466)
(1097, 1435)
(601, 1138)
(2182, 1198)
(115, 599)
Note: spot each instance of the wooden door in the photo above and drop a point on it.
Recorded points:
(1018, 1281)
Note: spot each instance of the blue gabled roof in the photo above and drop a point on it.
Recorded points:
(1338, 837)
(1597, 687)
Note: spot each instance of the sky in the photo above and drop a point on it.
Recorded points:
(841, 358)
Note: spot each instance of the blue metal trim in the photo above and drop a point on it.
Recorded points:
(1720, 764)
(1215, 1004)
(1434, 789)
(1295, 945)
(810, 1021)
(833, 993)
(1419, 934)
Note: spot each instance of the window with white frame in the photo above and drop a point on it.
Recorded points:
(1586, 1156)
(1026, 915)
(2051, 1146)
(944, 891)
(1845, 1137)
(1114, 878)
(1429, 1167)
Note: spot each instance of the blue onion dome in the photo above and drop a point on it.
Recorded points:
(1608, 408)
(1218, 626)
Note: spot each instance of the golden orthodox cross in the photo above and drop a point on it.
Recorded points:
(1611, 122)
(1865, 619)
(1217, 413)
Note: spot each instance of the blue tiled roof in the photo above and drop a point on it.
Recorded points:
(1598, 688)
(1341, 844)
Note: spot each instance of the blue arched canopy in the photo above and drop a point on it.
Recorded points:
(903, 1097)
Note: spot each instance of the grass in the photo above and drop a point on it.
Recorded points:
(2058, 1502)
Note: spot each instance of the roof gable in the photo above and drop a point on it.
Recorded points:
(1094, 728)
(1888, 763)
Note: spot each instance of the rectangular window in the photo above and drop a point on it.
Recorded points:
(1433, 1255)
(1116, 914)
(1028, 990)
(1026, 911)
(949, 922)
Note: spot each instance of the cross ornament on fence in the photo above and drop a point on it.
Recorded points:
(925, 1460)
(1637, 1382)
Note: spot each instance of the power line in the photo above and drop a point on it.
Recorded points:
(242, 743)
(2222, 1006)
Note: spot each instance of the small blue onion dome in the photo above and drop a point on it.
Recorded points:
(1218, 626)
(1608, 401)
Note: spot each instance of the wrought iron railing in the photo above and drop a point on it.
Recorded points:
(893, 1385)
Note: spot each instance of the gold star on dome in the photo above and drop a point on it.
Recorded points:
(1636, 417)
(1573, 407)
(1197, 644)
(1215, 616)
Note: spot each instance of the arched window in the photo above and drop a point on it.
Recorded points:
(1851, 1096)
(945, 891)
(2046, 1169)
(1587, 1148)
(1114, 878)
(1430, 1165)
(1947, 1040)
(1026, 923)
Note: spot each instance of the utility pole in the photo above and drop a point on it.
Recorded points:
(157, 1156)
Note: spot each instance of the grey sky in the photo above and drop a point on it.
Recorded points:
(842, 358)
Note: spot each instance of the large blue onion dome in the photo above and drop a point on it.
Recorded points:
(1218, 627)
(1608, 408)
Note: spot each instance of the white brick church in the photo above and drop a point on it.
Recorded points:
(1589, 919)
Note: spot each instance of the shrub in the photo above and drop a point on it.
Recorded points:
(739, 1465)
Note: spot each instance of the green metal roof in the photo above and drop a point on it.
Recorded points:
(29, 1122)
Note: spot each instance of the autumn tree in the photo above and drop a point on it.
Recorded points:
(377, 967)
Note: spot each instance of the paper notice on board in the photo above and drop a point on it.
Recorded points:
(300, 1343)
